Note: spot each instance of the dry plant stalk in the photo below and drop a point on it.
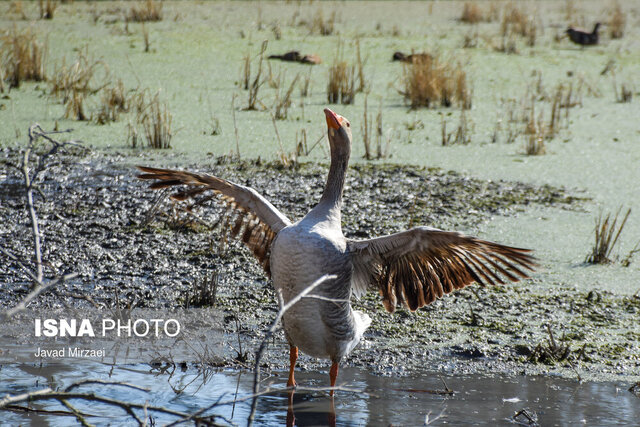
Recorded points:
(282, 105)
(16, 8)
(22, 57)
(258, 81)
(606, 236)
(360, 66)
(471, 13)
(305, 84)
(319, 25)
(47, 9)
(341, 87)
(74, 106)
(518, 22)
(155, 119)
(149, 10)
(114, 102)
(145, 37)
(77, 77)
(156, 122)
(460, 135)
(429, 81)
(535, 133)
(617, 21)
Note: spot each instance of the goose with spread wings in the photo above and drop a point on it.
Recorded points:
(412, 268)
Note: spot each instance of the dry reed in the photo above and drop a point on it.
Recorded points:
(47, 9)
(617, 21)
(77, 77)
(282, 104)
(471, 13)
(319, 25)
(429, 81)
(22, 57)
(149, 10)
(253, 84)
(606, 233)
(113, 103)
(155, 119)
(74, 106)
(460, 135)
(341, 86)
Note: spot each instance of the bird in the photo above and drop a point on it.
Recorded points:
(411, 58)
(582, 37)
(295, 56)
(411, 268)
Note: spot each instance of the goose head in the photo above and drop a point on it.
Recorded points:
(339, 131)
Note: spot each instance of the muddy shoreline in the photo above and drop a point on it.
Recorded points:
(134, 247)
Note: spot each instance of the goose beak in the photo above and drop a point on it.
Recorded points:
(333, 121)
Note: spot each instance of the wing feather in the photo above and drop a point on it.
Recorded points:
(418, 266)
(248, 214)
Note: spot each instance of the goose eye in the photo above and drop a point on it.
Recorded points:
(348, 124)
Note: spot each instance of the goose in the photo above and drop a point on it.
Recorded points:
(411, 58)
(584, 38)
(295, 56)
(412, 268)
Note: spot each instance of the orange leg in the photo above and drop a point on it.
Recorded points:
(333, 375)
(293, 357)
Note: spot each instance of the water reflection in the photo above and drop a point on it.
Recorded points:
(382, 400)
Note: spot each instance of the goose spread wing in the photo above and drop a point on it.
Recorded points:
(252, 217)
(417, 266)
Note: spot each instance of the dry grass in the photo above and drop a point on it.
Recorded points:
(360, 67)
(149, 10)
(305, 85)
(253, 84)
(460, 135)
(282, 104)
(74, 106)
(471, 13)
(516, 21)
(606, 233)
(17, 8)
(22, 57)
(80, 76)
(113, 103)
(429, 81)
(320, 25)
(47, 9)
(367, 132)
(155, 119)
(145, 37)
(342, 83)
(617, 21)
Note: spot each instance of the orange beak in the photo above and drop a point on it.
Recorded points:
(333, 121)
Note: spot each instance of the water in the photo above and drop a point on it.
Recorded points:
(376, 400)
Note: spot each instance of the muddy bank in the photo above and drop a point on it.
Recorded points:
(135, 248)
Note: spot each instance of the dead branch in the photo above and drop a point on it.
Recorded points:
(30, 175)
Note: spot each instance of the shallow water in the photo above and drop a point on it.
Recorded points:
(376, 400)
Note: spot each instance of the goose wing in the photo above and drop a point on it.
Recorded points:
(253, 218)
(417, 266)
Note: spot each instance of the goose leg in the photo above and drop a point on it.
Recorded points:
(293, 357)
(333, 375)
